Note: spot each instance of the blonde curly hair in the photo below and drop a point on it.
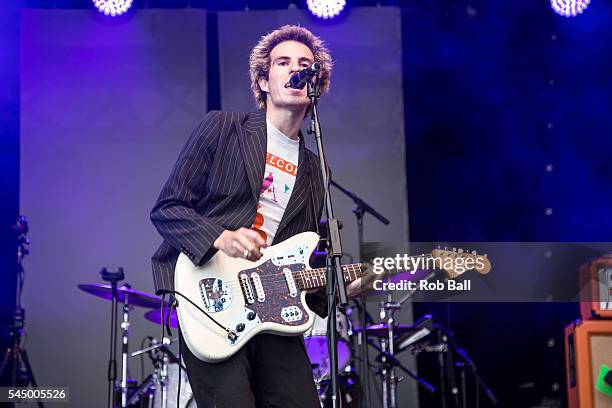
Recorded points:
(259, 60)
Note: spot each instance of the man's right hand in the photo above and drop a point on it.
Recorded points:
(242, 243)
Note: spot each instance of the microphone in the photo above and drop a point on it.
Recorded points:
(298, 80)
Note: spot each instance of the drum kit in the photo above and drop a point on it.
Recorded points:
(159, 389)
(387, 339)
(168, 380)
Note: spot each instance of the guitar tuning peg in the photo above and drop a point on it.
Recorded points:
(460, 250)
(474, 253)
(454, 249)
(485, 255)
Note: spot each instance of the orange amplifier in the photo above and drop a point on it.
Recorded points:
(588, 350)
(596, 289)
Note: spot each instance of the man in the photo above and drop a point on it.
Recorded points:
(245, 181)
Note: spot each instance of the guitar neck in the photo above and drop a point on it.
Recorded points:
(308, 279)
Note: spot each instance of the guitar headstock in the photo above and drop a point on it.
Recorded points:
(459, 261)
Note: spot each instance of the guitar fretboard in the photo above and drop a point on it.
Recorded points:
(308, 279)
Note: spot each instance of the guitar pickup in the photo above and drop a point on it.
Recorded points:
(290, 282)
(259, 290)
(247, 288)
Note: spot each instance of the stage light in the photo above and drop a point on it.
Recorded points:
(112, 7)
(325, 8)
(569, 8)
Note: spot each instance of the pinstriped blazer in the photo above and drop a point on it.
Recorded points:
(215, 186)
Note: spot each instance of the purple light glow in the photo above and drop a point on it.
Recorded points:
(569, 8)
(112, 7)
(325, 8)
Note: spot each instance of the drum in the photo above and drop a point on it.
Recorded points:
(187, 400)
(315, 340)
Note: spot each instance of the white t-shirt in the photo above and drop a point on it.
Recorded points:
(279, 178)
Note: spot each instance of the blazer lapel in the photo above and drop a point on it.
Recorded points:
(301, 189)
(253, 145)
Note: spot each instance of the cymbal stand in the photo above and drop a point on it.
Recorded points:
(163, 380)
(113, 278)
(389, 378)
(125, 337)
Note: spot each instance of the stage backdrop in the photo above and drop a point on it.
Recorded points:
(106, 106)
(362, 116)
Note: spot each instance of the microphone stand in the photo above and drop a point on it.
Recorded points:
(335, 278)
(472, 366)
(16, 357)
(361, 207)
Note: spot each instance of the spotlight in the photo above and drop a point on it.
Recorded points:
(112, 7)
(325, 8)
(569, 8)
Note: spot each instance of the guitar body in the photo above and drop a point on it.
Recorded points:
(245, 297)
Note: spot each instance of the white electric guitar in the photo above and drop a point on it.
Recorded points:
(229, 300)
(246, 298)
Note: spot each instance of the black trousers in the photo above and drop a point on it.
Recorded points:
(269, 371)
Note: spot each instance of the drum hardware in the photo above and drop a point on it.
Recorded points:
(156, 389)
(158, 345)
(125, 336)
(421, 329)
(389, 359)
(155, 316)
(315, 341)
(392, 338)
(430, 337)
(387, 346)
(350, 388)
(361, 208)
(136, 297)
(119, 395)
(145, 392)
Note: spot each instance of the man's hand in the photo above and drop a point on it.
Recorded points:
(354, 289)
(242, 243)
(362, 284)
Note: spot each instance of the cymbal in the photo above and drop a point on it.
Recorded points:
(155, 317)
(381, 330)
(135, 297)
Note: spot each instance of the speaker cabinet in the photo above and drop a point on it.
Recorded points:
(596, 289)
(588, 345)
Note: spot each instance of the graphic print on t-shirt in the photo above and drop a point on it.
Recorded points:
(267, 187)
(277, 185)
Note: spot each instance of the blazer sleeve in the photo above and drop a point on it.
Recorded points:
(174, 215)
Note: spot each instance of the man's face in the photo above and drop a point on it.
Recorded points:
(285, 59)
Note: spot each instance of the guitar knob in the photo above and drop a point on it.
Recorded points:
(250, 316)
(240, 327)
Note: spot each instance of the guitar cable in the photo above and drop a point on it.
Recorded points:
(231, 334)
(180, 367)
